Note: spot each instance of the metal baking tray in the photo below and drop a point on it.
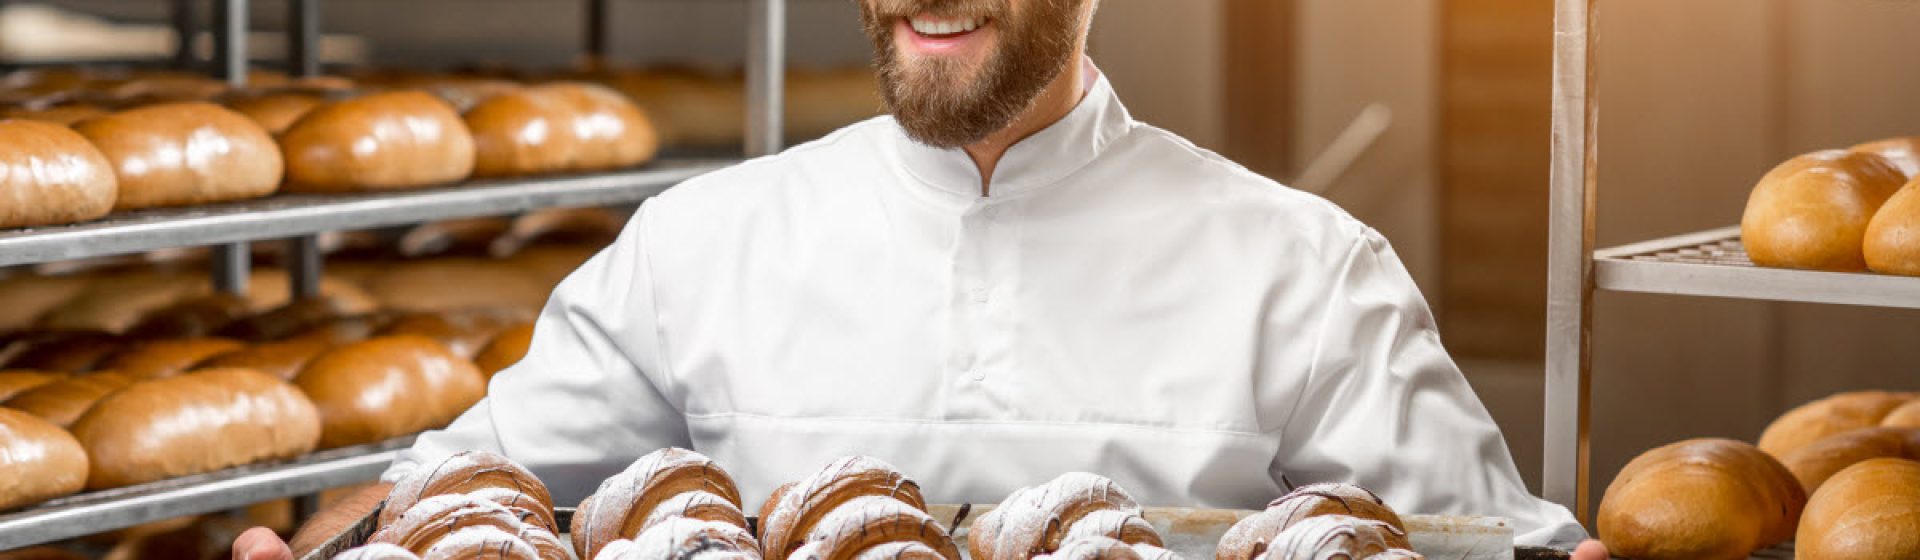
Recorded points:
(116, 508)
(1191, 532)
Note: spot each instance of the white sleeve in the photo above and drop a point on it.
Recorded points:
(580, 406)
(1386, 408)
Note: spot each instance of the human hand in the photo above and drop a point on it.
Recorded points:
(1590, 550)
(260, 543)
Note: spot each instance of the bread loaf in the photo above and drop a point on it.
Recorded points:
(1906, 416)
(1814, 463)
(275, 111)
(1837, 414)
(550, 264)
(1247, 539)
(522, 132)
(610, 131)
(166, 358)
(1903, 153)
(185, 153)
(1869, 510)
(270, 288)
(1892, 243)
(506, 349)
(117, 299)
(192, 317)
(17, 381)
(38, 460)
(662, 485)
(464, 332)
(291, 319)
(282, 359)
(422, 286)
(63, 401)
(197, 422)
(1811, 212)
(382, 141)
(689, 108)
(65, 351)
(64, 114)
(1699, 499)
(24, 298)
(52, 175)
(387, 387)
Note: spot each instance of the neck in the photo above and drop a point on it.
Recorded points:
(1053, 104)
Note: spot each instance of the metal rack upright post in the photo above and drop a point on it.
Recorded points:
(296, 219)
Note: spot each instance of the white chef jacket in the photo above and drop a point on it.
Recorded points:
(1123, 303)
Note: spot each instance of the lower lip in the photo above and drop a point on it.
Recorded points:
(938, 44)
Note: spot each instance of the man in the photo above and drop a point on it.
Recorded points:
(1007, 279)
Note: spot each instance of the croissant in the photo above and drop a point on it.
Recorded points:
(1248, 538)
(1103, 548)
(377, 551)
(793, 511)
(483, 543)
(1337, 536)
(662, 485)
(857, 527)
(1036, 521)
(481, 474)
(432, 521)
(682, 538)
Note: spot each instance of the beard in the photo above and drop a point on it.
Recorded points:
(946, 102)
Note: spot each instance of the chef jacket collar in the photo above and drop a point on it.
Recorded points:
(1043, 159)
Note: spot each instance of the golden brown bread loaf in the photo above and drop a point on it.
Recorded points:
(63, 114)
(197, 422)
(282, 359)
(166, 358)
(422, 286)
(185, 153)
(53, 175)
(386, 387)
(275, 111)
(522, 132)
(26, 297)
(506, 349)
(795, 510)
(1837, 414)
(1814, 463)
(665, 484)
(464, 332)
(38, 460)
(381, 141)
(63, 401)
(1699, 499)
(1811, 212)
(1906, 416)
(17, 381)
(1869, 510)
(295, 318)
(192, 317)
(472, 473)
(1903, 153)
(116, 300)
(609, 130)
(65, 351)
(1037, 520)
(270, 288)
(688, 108)
(1249, 538)
(1892, 243)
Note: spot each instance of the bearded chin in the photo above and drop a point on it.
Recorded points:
(943, 104)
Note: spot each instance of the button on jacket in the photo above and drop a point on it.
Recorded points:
(1123, 303)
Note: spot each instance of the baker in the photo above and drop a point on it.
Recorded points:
(1006, 279)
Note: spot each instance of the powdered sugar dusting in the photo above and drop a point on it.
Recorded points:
(680, 537)
(1037, 519)
(481, 542)
(377, 551)
(781, 529)
(1330, 537)
(611, 510)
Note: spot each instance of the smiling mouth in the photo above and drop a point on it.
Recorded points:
(945, 27)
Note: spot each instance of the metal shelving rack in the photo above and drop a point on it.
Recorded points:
(1710, 263)
(298, 219)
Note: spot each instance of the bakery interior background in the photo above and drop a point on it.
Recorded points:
(1702, 98)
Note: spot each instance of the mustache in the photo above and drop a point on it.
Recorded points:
(900, 8)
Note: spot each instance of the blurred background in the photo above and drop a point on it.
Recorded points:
(1443, 107)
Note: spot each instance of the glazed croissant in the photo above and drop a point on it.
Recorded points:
(1254, 535)
(480, 474)
(430, 523)
(853, 505)
(1339, 536)
(1074, 509)
(685, 538)
(661, 486)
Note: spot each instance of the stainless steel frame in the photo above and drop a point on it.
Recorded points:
(766, 75)
(1570, 257)
(1712, 263)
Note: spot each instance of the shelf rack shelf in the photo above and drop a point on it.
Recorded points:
(1710, 263)
(93, 512)
(228, 228)
(287, 216)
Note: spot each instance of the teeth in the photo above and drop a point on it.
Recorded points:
(930, 25)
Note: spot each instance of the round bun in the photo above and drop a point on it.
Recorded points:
(1869, 510)
(1815, 463)
(1699, 499)
(521, 132)
(1812, 211)
(610, 131)
(1892, 243)
(1834, 415)
(1903, 152)
(185, 153)
(382, 141)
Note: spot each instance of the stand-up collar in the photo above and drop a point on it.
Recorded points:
(1039, 160)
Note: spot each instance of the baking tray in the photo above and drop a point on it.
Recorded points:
(1191, 532)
